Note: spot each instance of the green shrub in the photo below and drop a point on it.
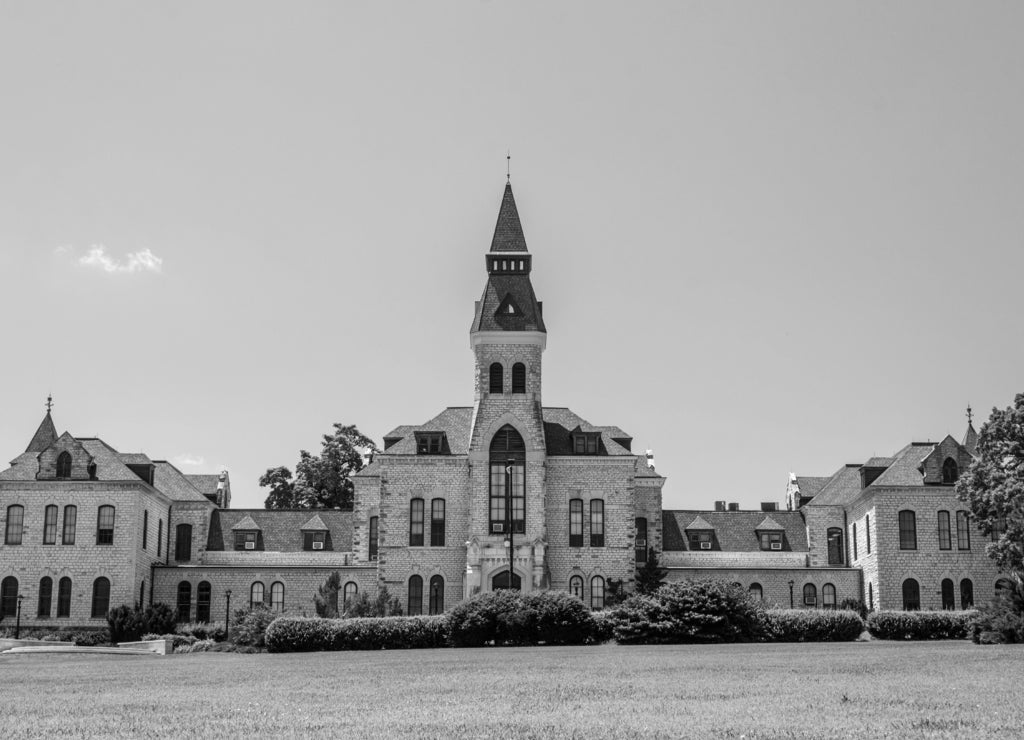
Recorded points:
(198, 646)
(486, 619)
(177, 641)
(558, 618)
(202, 630)
(250, 625)
(1002, 619)
(91, 638)
(129, 623)
(603, 627)
(382, 604)
(855, 605)
(689, 611)
(811, 625)
(920, 625)
(307, 634)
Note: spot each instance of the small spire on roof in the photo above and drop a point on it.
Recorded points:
(508, 166)
(970, 414)
(49, 402)
(970, 440)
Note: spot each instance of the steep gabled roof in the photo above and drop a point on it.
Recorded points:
(454, 421)
(205, 483)
(109, 465)
(247, 523)
(842, 488)
(768, 524)
(508, 231)
(971, 439)
(314, 523)
(700, 523)
(45, 435)
(905, 469)
(560, 423)
(501, 289)
(173, 483)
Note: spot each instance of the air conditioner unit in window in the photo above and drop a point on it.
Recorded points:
(705, 545)
(250, 545)
(318, 545)
(776, 545)
(497, 527)
(641, 543)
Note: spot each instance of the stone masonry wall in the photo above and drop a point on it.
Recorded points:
(775, 582)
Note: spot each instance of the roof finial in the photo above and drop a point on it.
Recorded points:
(508, 166)
(49, 402)
(970, 414)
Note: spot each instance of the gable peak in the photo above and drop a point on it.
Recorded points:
(508, 231)
(45, 435)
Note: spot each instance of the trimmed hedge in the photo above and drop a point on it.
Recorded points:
(129, 623)
(811, 625)
(202, 630)
(250, 625)
(921, 625)
(306, 634)
(507, 617)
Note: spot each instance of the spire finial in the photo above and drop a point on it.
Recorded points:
(508, 166)
(970, 414)
(49, 402)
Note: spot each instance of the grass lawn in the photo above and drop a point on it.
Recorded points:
(874, 689)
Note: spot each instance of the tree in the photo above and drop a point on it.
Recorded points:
(326, 597)
(651, 576)
(614, 592)
(321, 481)
(994, 485)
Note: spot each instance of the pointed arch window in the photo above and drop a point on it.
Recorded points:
(15, 524)
(256, 594)
(277, 596)
(203, 593)
(519, 378)
(184, 601)
(810, 594)
(9, 597)
(45, 597)
(950, 471)
(508, 481)
(436, 595)
(948, 595)
(966, 593)
(597, 593)
(100, 598)
(828, 596)
(497, 379)
(756, 592)
(911, 595)
(64, 598)
(415, 595)
(64, 465)
(576, 587)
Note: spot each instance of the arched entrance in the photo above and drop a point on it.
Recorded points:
(500, 580)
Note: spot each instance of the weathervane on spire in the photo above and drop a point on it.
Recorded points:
(49, 402)
(970, 414)
(508, 166)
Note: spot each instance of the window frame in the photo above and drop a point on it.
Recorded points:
(496, 378)
(68, 530)
(45, 601)
(262, 590)
(374, 543)
(853, 540)
(867, 531)
(518, 378)
(243, 537)
(184, 605)
(349, 592)
(416, 522)
(575, 522)
(950, 471)
(311, 537)
(64, 586)
(575, 580)
(204, 600)
(145, 528)
(948, 592)
(277, 594)
(810, 595)
(9, 587)
(50, 515)
(507, 466)
(834, 546)
(944, 532)
(907, 529)
(597, 522)
(963, 530)
(437, 522)
(183, 552)
(100, 597)
(769, 536)
(436, 595)
(756, 588)
(911, 590)
(695, 537)
(105, 525)
(14, 529)
(640, 542)
(597, 593)
(828, 596)
(159, 537)
(966, 595)
(62, 468)
(414, 598)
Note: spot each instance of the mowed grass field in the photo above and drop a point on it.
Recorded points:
(862, 690)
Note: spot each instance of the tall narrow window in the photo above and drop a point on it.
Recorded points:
(145, 529)
(64, 598)
(437, 522)
(828, 596)
(415, 595)
(50, 525)
(834, 535)
(596, 522)
(945, 539)
(576, 587)
(497, 384)
(911, 595)
(756, 592)
(576, 522)
(183, 543)
(966, 594)
(159, 537)
(374, 534)
(810, 594)
(9, 597)
(70, 520)
(184, 601)
(963, 532)
(255, 594)
(277, 596)
(519, 378)
(948, 595)
(100, 598)
(950, 471)
(105, 525)
(640, 546)
(854, 538)
(908, 530)
(45, 597)
(871, 597)
(203, 602)
(416, 522)
(64, 465)
(142, 594)
(597, 593)
(15, 525)
(867, 531)
(349, 594)
(436, 595)
(508, 481)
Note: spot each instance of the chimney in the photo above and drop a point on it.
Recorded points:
(719, 506)
(734, 507)
(768, 506)
(650, 458)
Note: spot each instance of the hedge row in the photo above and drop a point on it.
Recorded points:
(921, 625)
(510, 618)
(811, 625)
(306, 634)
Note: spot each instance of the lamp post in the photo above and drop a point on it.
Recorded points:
(790, 594)
(17, 622)
(509, 543)
(227, 613)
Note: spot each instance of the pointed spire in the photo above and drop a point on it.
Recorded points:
(46, 434)
(971, 437)
(508, 232)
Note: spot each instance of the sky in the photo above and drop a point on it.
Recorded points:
(769, 236)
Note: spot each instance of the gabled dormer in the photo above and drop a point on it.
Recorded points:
(700, 535)
(248, 535)
(316, 535)
(66, 459)
(586, 443)
(945, 463)
(771, 534)
(432, 443)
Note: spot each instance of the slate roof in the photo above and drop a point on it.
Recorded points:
(280, 530)
(134, 458)
(971, 439)
(314, 523)
(454, 421)
(508, 231)
(516, 288)
(45, 435)
(700, 523)
(735, 531)
(23, 467)
(643, 470)
(205, 483)
(842, 488)
(174, 483)
(109, 465)
(904, 469)
(810, 486)
(560, 422)
(245, 523)
(879, 462)
(768, 524)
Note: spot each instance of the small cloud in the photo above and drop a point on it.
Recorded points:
(64, 249)
(141, 261)
(188, 460)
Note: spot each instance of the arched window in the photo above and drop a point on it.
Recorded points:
(948, 595)
(497, 384)
(416, 522)
(500, 580)
(945, 536)
(908, 530)
(828, 596)
(145, 528)
(100, 597)
(349, 594)
(508, 481)
(15, 525)
(810, 594)
(871, 597)
(576, 522)
(963, 532)
(911, 595)
(436, 595)
(50, 525)
(105, 525)
(415, 596)
(277, 596)
(596, 522)
(255, 594)
(9, 597)
(183, 543)
(835, 546)
(203, 602)
(184, 601)
(950, 471)
(966, 594)
(64, 598)
(576, 587)
(756, 592)
(374, 536)
(70, 520)
(519, 378)
(45, 597)
(64, 465)
(597, 593)
(437, 522)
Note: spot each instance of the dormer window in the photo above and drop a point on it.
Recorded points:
(585, 443)
(314, 540)
(771, 540)
(64, 465)
(701, 539)
(950, 471)
(431, 443)
(245, 540)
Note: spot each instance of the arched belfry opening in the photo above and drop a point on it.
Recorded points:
(508, 482)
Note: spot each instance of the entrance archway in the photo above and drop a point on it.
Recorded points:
(501, 581)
